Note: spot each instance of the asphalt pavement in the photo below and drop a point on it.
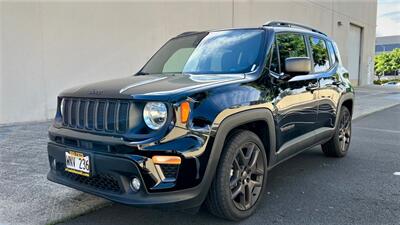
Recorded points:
(361, 188)
(27, 197)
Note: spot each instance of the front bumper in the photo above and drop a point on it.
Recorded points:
(111, 175)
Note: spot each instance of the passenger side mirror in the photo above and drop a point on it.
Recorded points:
(295, 66)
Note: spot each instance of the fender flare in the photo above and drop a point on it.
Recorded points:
(227, 125)
(345, 97)
(241, 118)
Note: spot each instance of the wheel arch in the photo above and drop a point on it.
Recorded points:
(347, 100)
(349, 103)
(259, 121)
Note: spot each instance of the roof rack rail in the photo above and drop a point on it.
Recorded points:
(290, 24)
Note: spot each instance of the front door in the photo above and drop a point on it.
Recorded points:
(296, 102)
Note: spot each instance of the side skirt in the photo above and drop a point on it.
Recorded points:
(306, 141)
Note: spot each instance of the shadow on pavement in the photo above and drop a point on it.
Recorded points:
(283, 186)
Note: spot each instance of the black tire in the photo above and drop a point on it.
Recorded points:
(234, 185)
(339, 144)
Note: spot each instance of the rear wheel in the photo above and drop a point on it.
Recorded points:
(339, 144)
(240, 177)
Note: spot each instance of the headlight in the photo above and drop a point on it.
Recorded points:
(155, 115)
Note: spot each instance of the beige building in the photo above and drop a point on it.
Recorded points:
(387, 43)
(47, 46)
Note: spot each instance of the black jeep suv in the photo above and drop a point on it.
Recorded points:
(205, 119)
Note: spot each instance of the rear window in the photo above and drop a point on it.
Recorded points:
(331, 52)
(319, 54)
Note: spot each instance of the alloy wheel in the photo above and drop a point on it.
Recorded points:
(345, 131)
(247, 174)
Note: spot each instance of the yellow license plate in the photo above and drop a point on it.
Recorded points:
(78, 163)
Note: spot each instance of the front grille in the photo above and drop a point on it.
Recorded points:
(102, 182)
(96, 114)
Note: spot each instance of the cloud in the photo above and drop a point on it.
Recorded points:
(395, 16)
(387, 27)
(388, 18)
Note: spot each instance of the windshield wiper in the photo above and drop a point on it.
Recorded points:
(142, 73)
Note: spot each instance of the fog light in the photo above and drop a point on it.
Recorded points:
(135, 184)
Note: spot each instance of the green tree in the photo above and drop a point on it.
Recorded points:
(382, 64)
(387, 62)
(395, 59)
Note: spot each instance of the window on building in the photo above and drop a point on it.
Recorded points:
(290, 45)
(386, 47)
(320, 54)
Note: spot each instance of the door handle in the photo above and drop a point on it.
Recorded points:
(312, 87)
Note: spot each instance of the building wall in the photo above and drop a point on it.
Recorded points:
(49, 46)
(387, 43)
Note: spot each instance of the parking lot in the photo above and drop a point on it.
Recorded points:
(308, 189)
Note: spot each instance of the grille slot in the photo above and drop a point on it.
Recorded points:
(73, 113)
(122, 117)
(81, 116)
(111, 108)
(100, 115)
(103, 182)
(169, 171)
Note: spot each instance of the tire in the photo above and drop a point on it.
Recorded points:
(338, 145)
(235, 191)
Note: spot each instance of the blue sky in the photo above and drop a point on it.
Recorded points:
(388, 18)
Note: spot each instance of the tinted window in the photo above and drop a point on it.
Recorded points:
(290, 45)
(230, 51)
(320, 54)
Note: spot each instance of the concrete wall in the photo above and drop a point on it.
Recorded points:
(49, 46)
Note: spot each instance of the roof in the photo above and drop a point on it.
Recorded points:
(277, 26)
(395, 39)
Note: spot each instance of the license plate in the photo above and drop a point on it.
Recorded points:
(78, 163)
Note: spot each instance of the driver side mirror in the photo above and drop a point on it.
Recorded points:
(295, 66)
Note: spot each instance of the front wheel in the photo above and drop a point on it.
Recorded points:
(240, 177)
(339, 144)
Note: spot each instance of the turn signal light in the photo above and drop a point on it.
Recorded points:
(185, 110)
(164, 159)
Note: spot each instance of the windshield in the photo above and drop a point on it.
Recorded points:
(220, 52)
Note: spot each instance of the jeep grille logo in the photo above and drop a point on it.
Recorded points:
(95, 92)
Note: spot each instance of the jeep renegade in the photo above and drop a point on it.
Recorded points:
(205, 119)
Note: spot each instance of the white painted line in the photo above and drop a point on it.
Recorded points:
(377, 129)
(396, 173)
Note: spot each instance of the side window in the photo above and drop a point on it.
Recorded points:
(274, 63)
(331, 52)
(320, 54)
(290, 45)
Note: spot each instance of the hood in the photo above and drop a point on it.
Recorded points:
(152, 87)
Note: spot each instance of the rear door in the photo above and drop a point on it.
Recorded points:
(325, 65)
